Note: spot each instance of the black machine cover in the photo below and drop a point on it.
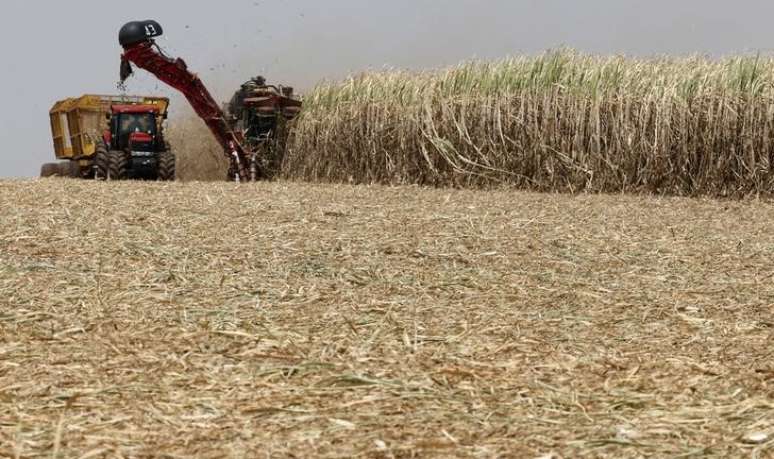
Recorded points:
(139, 31)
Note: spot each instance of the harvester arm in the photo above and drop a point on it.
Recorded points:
(141, 50)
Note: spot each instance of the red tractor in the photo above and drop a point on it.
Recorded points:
(134, 145)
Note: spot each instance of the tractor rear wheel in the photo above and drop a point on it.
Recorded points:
(117, 165)
(49, 169)
(100, 162)
(166, 171)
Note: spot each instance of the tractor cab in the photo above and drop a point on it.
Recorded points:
(133, 128)
(135, 136)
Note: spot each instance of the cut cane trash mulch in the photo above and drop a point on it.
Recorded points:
(289, 320)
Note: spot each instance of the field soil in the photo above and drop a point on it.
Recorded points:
(291, 320)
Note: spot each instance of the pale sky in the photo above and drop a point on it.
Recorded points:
(56, 49)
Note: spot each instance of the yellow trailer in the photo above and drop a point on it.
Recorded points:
(77, 126)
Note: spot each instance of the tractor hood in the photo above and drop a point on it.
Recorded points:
(139, 31)
(140, 142)
(140, 137)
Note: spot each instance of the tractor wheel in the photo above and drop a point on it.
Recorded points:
(101, 161)
(166, 171)
(49, 170)
(117, 165)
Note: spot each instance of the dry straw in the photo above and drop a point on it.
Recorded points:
(176, 320)
(561, 121)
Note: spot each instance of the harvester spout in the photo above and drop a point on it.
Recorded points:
(141, 50)
(134, 33)
(126, 70)
(139, 31)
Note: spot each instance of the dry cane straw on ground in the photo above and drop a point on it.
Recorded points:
(281, 319)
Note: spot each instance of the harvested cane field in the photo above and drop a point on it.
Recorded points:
(292, 320)
(562, 121)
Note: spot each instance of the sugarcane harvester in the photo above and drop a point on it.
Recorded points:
(140, 49)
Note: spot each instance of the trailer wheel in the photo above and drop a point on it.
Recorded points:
(69, 169)
(166, 171)
(117, 165)
(49, 169)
